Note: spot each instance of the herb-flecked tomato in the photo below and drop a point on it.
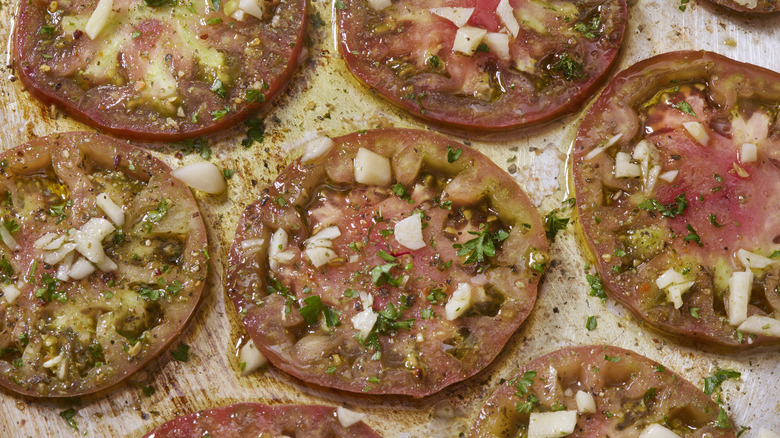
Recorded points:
(158, 69)
(101, 263)
(256, 420)
(489, 65)
(391, 261)
(751, 6)
(677, 186)
(597, 391)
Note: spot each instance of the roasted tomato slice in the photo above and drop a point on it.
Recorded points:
(391, 261)
(102, 263)
(597, 391)
(256, 420)
(677, 186)
(489, 65)
(158, 69)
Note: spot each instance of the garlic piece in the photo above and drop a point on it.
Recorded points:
(203, 176)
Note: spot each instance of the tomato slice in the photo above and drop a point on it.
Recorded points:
(158, 70)
(345, 300)
(542, 65)
(102, 260)
(254, 419)
(613, 392)
(675, 170)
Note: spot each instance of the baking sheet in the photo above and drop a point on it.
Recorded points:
(323, 97)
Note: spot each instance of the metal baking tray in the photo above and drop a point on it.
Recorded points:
(324, 98)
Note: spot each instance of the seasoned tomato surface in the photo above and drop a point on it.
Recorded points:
(158, 69)
(396, 261)
(242, 420)
(101, 263)
(751, 6)
(598, 391)
(490, 65)
(678, 189)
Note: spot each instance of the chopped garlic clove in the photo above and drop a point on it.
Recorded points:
(697, 131)
(98, 19)
(10, 293)
(760, 325)
(347, 418)
(252, 246)
(459, 16)
(624, 168)
(89, 239)
(598, 150)
(669, 176)
(316, 148)
(8, 239)
(655, 430)
(585, 402)
(255, 8)
(364, 321)
(372, 168)
(498, 43)
(467, 39)
(506, 14)
(675, 292)
(748, 153)
(251, 358)
(740, 284)
(459, 302)
(378, 5)
(54, 257)
(44, 241)
(109, 207)
(669, 278)
(51, 363)
(551, 424)
(408, 232)
(276, 250)
(320, 256)
(203, 176)
(753, 260)
(81, 269)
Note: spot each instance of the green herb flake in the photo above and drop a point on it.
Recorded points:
(148, 391)
(386, 257)
(713, 382)
(570, 68)
(591, 323)
(331, 370)
(694, 311)
(215, 5)
(482, 47)
(453, 154)
(214, 21)
(340, 5)
(68, 415)
(614, 359)
(723, 421)
(434, 61)
(253, 95)
(692, 236)
(714, 221)
(182, 352)
(484, 245)
(596, 287)
(46, 30)
(218, 114)
(553, 224)
(218, 87)
(684, 107)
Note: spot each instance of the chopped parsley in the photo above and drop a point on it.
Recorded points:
(386, 256)
(58, 211)
(453, 154)
(155, 216)
(182, 352)
(522, 384)
(613, 359)
(596, 287)
(148, 391)
(434, 61)
(253, 95)
(591, 323)
(68, 415)
(436, 296)
(692, 236)
(381, 275)
(684, 107)
(46, 30)
(482, 47)
(712, 383)
(255, 131)
(671, 210)
(6, 270)
(340, 5)
(218, 87)
(553, 223)
(589, 30)
(49, 290)
(482, 246)
(215, 5)
(714, 221)
(218, 114)
(568, 67)
(400, 191)
(723, 421)
(312, 308)
(694, 311)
